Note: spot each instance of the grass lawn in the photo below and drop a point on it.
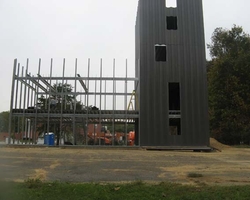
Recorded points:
(35, 189)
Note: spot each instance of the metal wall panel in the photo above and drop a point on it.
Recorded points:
(185, 64)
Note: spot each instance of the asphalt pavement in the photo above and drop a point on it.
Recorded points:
(118, 165)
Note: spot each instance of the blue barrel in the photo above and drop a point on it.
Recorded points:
(49, 139)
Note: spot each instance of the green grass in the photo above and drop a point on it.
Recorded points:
(35, 190)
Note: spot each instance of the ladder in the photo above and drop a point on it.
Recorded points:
(133, 98)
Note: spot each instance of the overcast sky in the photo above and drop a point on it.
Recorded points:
(85, 29)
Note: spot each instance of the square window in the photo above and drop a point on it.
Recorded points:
(172, 23)
(160, 53)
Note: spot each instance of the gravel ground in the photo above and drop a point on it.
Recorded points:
(229, 167)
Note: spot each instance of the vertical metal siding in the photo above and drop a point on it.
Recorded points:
(185, 64)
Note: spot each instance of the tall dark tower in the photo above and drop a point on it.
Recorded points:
(171, 67)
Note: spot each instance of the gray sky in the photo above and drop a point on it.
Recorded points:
(85, 29)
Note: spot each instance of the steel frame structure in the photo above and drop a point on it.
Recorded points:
(27, 89)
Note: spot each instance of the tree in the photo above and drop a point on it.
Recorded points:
(4, 121)
(66, 99)
(62, 94)
(16, 124)
(121, 128)
(229, 85)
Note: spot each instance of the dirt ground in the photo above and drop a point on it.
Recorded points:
(229, 167)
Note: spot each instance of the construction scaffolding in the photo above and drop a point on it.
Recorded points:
(69, 107)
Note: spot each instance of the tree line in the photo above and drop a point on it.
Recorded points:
(229, 86)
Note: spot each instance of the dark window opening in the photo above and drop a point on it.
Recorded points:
(160, 53)
(174, 96)
(172, 23)
(175, 126)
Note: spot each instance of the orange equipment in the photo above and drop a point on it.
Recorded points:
(131, 138)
